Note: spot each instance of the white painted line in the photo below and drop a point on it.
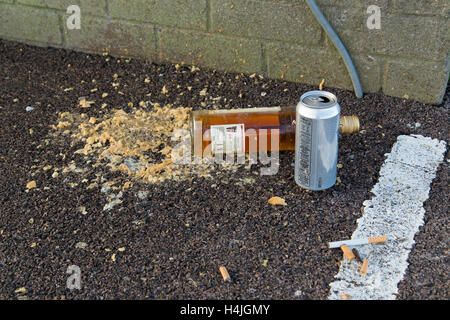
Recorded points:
(396, 210)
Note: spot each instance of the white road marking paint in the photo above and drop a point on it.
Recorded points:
(396, 211)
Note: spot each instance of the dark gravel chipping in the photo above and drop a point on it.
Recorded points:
(176, 238)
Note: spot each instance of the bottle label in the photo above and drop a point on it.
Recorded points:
(228, 138)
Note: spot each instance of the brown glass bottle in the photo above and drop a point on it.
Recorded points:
(253, 120)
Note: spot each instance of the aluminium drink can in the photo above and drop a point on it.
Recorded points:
(316, 140)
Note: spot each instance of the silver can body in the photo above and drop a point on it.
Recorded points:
(316, 140)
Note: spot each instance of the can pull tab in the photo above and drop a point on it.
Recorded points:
(324, 99)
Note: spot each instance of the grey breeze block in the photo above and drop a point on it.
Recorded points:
(407, 57)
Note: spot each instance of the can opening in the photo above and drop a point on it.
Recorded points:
(324, 99)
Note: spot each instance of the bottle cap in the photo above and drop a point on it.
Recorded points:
(348, 124)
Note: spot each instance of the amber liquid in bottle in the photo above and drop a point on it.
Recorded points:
(277, 120)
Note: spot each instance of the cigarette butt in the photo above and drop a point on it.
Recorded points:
(345, 296)
(357, 242)
(378, 239)
(347, 252)
(321, 84)
(364, 267)
(225, 275)
(357, 256)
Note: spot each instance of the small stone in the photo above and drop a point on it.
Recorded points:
(85, 104)
(81, 245)
(21, 290)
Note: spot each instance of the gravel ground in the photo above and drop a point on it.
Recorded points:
(170, 243)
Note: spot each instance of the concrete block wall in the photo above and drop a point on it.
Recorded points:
(407, 57)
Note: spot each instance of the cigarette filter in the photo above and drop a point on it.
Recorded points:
(345, 296)
(364, 267)
(347, 252)
(225, 275)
